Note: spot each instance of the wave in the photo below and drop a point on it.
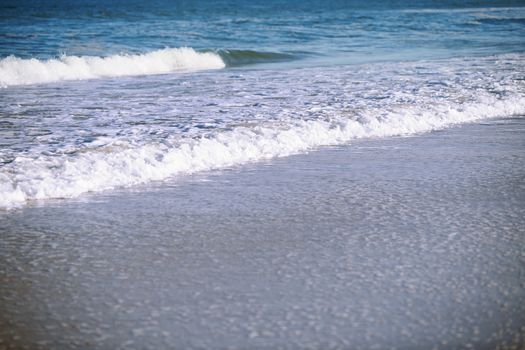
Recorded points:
(18, 71)
(121, 165)
(234, 58)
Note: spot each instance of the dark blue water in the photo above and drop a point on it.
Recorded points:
(329, 31)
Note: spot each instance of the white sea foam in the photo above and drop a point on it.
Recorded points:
(61, 177)
(18, 71)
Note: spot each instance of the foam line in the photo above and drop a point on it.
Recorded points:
(120, 166)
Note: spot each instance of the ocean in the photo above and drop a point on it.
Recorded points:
(277, 174)
(99, 96)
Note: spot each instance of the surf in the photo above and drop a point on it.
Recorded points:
(122, 164)
(19, 71)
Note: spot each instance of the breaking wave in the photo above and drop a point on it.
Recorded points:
(18, 71)
(121, 164)
(234, 58)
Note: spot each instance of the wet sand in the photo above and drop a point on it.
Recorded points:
(407, 243)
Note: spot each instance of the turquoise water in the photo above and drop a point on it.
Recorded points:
(96, 96)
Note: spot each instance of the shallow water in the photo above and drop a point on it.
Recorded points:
(388, 243)
(99, 96)
(59, 144)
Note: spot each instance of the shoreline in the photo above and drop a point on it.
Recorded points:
(408, 242)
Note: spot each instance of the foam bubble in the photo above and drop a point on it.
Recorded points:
(61, 177)
(18, 71)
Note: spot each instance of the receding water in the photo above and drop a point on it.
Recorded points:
(407, 243)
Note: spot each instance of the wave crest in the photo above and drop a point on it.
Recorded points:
(234, 58)
(18, 71)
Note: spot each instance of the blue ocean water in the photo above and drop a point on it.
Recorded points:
(335, 31)
(97, 95)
